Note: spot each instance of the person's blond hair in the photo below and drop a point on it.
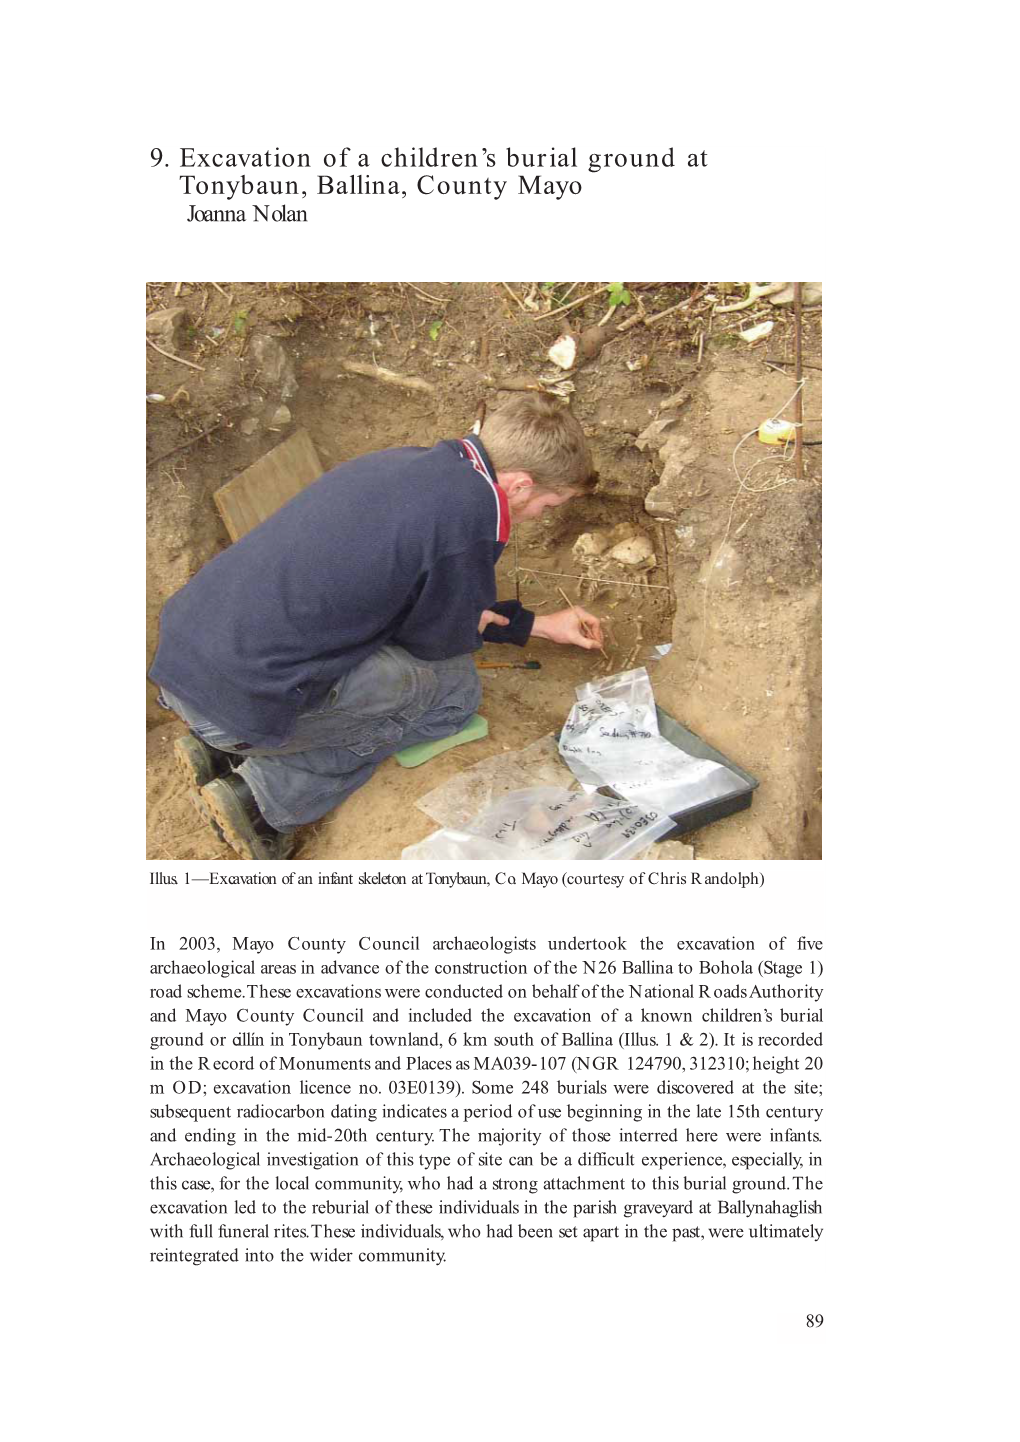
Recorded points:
(534, 433)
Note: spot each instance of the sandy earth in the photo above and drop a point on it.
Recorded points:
(745, 666)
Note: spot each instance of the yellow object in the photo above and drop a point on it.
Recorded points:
(774, 433)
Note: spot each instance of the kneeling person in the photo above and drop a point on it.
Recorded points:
(342, 629)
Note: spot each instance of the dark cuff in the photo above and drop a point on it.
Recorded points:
(519, 630)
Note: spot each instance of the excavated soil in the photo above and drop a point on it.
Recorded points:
(733, 582)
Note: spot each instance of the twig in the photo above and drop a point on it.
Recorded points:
(438, 299)
(603, 580)
(754, 292)
(170, 356)
(665, 552)
(512, 294)
(511, 383)
(380, 373)
(660, 315)
(222, 292)
(307, 299)
(158, 461)
(560, 310)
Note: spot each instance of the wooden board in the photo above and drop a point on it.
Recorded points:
(253, 496)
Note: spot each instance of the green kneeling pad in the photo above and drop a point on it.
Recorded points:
(424, 751)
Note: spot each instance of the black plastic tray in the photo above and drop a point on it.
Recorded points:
(693, 818)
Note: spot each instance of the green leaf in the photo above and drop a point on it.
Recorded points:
(434, 329)
(617, 294)
(240, 321)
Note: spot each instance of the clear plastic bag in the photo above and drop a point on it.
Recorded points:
(464, 796)
(611, 738)
(547, 823)
(618, 708)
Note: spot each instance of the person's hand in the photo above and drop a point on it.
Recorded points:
(492, 618)
(575, 627)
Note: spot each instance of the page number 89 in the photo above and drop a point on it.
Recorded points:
(814, 1319)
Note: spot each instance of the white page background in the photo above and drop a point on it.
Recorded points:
(548, 1342)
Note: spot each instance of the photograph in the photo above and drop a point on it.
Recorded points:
(509, 570)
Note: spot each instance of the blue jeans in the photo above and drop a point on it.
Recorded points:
(390, 701)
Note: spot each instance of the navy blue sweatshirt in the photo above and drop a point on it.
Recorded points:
(398, 546)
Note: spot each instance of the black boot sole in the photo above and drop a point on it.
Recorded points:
(229, 816)
(195, 797)
(198, 763)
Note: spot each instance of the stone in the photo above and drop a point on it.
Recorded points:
(679, 450)
(651, 438)
(248, 426)
(275, 370)
(662, 500)
(671, 498)
(168, 328)
(563, 352)
(675, 487)
(675, 401)
(810, 294)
